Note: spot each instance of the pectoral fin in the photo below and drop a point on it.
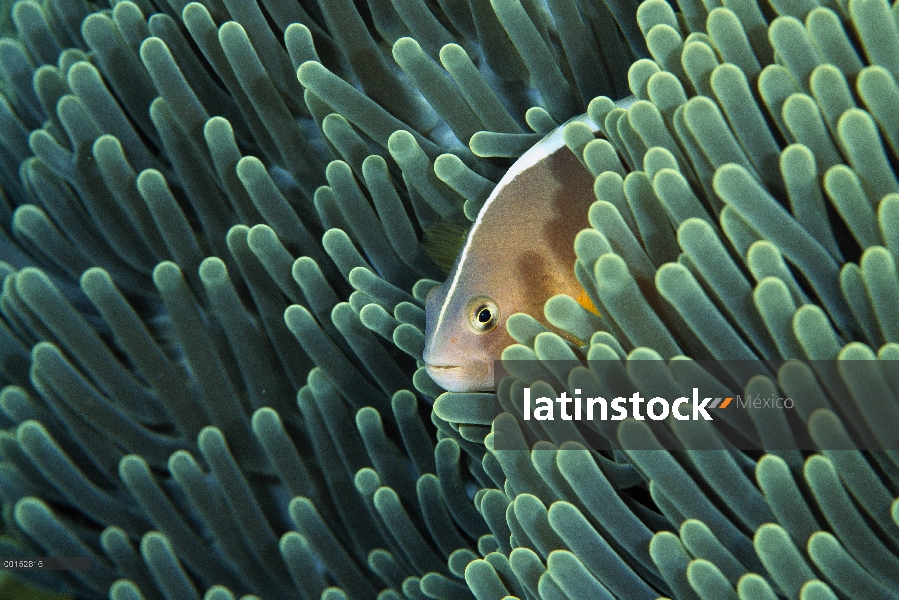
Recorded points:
(584, 300)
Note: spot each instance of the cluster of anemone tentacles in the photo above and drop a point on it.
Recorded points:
(212, 303)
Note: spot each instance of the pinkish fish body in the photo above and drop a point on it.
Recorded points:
(518, 254)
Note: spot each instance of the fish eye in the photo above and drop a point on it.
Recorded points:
(484, 315)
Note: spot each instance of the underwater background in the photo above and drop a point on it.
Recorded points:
(213, 282)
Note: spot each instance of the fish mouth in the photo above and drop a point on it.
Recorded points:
(469, 377)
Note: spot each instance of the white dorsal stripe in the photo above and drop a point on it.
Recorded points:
(545, 147)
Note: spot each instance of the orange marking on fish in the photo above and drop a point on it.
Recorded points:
(585, 301)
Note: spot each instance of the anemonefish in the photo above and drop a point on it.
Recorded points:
(518, 254)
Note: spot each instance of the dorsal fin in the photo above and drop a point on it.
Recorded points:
(443, 241)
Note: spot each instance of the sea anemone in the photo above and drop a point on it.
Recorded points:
(212, 306)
